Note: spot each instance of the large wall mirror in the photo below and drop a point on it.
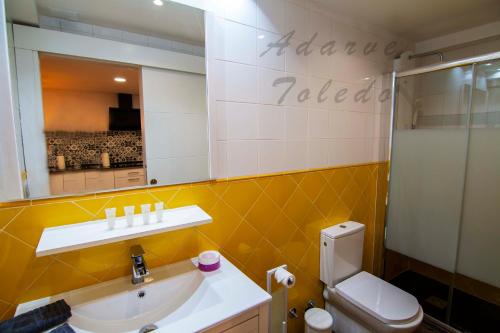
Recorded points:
(107, 95)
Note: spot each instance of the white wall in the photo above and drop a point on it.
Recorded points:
(79, 111)
(175, 126)
(252, 132)
(97, 31)
(32, 126)
(10, 167)
(455, 39)
(80, 45)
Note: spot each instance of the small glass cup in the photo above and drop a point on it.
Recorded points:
(159, 211)
(129, 213)
(145, 210)
(111, 217)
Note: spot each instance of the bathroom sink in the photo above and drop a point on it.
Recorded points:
(178, 298)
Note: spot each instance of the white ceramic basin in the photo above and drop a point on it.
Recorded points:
(179, 298)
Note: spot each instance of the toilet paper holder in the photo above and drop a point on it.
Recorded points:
(270, 274)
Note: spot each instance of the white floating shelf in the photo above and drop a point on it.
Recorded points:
(82, 235)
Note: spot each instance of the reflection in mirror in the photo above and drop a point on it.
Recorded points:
(92, 124)
(108, 99)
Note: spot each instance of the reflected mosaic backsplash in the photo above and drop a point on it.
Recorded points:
(83, 148)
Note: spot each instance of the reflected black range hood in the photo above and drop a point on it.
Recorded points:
(124, 117)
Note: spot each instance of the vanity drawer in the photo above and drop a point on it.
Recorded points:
(130, 181)
(74, 182)
(247, 322)
(249, 326)
(95, 174)
(129, 173)
(99, 180)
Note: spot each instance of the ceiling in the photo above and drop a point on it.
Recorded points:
(69, 73)
(415, 20)
(172, 20)
(419, 20)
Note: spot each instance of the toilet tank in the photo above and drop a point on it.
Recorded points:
(341, 252)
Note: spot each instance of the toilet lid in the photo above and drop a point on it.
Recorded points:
(318, 319)
(379, 298)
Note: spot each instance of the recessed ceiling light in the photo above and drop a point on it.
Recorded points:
(120, 79)
(488, 64)
(158, 2)
(261, 36)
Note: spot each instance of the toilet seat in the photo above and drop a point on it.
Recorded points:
(379, 298)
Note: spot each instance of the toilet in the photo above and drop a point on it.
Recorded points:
(359, 301)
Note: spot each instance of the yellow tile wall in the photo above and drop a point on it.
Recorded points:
(258, 223)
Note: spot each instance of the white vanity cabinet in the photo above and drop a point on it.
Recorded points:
(210, 302)
(72, 182)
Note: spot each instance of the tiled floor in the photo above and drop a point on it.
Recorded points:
(469, 313)
(431, 325)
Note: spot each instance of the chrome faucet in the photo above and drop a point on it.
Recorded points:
(139, 268)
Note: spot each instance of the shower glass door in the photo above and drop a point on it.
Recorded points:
(428, 167)
(476, 296)
(443, 217)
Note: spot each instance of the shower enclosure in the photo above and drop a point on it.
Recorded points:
(443, 217)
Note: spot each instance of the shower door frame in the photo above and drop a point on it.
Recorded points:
(474, 62)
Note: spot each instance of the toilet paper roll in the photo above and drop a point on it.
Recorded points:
(284, 277)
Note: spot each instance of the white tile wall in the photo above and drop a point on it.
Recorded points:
(270, 59)
(271, 15)
(236, 42)
(255, 132)
(243, 11)
(320, 24)
(242, 121)
(272, 122)
(296, 19)
(271, 156)
(242, 157)
(296, 123)
(296, 155)
(235, 82)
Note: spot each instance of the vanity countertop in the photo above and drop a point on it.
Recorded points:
(181, 299)
(94, 168)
